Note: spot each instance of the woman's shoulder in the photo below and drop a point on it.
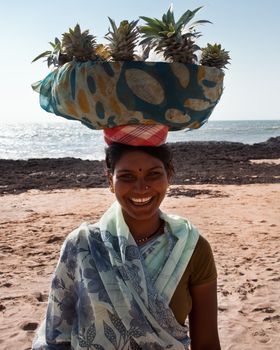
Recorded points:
(202, 245)
(81, 233)
(203, 250)
(202, 263)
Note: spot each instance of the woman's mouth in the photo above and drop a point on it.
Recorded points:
(141, 201)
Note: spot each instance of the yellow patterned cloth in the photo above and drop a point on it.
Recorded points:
(109, 94)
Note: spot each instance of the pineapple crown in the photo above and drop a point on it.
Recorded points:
(156, 29)
(77, 43)
(214, 56)
(77, 34)
(176, 40)
(125, 30)
(122, 39)
(54, 57)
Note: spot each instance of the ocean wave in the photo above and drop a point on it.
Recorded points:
(34, 140)
(273, 128)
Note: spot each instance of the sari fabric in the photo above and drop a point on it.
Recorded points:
(109, 294)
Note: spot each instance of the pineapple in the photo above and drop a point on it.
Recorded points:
(183, 50)
(122, 40)
(54, 57)
(79, 45)
(214, 56)
(103, 52)
(175, 39)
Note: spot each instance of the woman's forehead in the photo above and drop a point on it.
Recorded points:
(138, 160)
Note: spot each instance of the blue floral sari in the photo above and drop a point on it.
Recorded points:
(107, 293)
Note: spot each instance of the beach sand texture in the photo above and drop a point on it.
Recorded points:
(241, 222)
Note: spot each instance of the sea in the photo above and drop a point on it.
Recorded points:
(72, 139)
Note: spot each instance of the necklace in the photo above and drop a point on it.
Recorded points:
(146, 238)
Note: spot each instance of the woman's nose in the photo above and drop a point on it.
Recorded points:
(141, 185)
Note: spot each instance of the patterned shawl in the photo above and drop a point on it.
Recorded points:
(109, 294)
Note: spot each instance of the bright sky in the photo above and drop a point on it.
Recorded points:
(249, 29)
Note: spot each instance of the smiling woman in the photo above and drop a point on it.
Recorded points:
(138, 278)
(131, 280)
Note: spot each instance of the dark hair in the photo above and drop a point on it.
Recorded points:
(116, 150)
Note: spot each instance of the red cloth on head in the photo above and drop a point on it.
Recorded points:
(137, 134)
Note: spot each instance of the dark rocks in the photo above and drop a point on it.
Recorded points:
(195, 163)
(29, 326)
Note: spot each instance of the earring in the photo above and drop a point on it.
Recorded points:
(112, 189)
(146, 187)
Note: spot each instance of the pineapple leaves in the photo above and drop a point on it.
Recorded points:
(169, 19)
(123, 40)
(168, 27)
(149, 42)
(113, 24)
(56, 45)
(187, 17)
(215, 56)
(50, 54)
(154, 23)
(43, 54)
(200, 22)
(151, 31)
(170, 16)
(176, 40)
(76, 31)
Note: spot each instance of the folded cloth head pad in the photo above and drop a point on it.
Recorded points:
(137, 135)
(109, 94)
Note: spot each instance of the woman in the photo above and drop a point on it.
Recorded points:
(130, 280)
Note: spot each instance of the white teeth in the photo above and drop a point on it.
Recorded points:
(141, 200)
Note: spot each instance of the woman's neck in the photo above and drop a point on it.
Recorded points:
(141, 229)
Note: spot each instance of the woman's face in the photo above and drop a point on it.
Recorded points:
(140, 182)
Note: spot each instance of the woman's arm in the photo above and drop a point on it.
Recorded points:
(203, 317)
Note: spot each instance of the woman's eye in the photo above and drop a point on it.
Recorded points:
(126, 177)
(154, 174)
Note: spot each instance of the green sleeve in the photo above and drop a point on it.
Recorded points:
(202, 264)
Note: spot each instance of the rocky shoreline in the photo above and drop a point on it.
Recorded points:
(195, 163)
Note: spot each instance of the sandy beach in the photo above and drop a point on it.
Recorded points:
(230, 193)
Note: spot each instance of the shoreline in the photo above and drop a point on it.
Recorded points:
(196, 162)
